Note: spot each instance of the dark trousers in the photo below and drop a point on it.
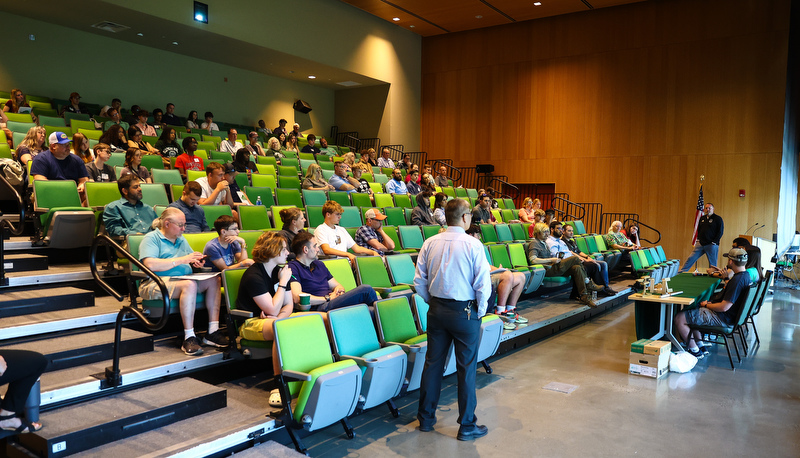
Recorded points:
(571, 266)
(363, 294)
(24, 368)
(448, 323)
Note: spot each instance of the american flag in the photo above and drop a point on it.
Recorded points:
(697, 215)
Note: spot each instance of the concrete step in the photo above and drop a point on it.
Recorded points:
(73, 429)
(104, 312)
(166, 360)
(16, 303)
(77, 349)
(24, 262)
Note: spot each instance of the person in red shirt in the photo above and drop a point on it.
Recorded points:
(187, 160)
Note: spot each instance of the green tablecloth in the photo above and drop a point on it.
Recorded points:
(648, 313)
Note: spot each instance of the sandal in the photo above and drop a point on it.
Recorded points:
(275, 398)
(23, 428)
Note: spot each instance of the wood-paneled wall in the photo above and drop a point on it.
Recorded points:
(626, 106)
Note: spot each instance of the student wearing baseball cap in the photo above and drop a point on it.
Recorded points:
(371, 234)
(722, 313)
(58, 163)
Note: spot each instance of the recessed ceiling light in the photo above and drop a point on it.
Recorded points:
(412, 26)
(537, 3)
(175, 42)
(395, 19)
(311, 77)
(479, 17)
(140, 34)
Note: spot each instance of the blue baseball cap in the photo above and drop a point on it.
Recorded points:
(59, 137)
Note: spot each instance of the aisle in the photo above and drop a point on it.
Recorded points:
(610, 413)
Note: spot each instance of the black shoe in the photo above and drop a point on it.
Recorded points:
(704, 350)
(191, 346)
(609, 292)
(216, 339)
(472, 432)
(696, 353)
(426, 426)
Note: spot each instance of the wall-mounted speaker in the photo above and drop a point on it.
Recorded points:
(302, 107)
(484, 168)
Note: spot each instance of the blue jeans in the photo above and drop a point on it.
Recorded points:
(597, 272)
(361, 295)
(710, 251)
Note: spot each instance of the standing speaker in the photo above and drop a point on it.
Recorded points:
(302, 107)
(484, 168)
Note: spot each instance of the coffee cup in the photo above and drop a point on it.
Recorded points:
(305, 302)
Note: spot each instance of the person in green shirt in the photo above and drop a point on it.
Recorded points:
(129, 215)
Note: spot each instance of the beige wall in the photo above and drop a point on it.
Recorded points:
(626, 106)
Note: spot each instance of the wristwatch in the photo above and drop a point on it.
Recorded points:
(327, 298)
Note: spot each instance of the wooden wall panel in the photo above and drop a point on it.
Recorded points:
(625, 106)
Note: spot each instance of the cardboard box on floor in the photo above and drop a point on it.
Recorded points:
(650, 358)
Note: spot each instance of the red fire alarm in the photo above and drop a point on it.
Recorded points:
(741, 193)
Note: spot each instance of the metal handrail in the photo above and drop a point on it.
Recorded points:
(113, 377)
(6, 224)
(640, 224)
(504, 184)
(568, 203)
(452, 172)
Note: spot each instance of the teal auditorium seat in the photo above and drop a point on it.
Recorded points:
(372, 271)
(383, 369)
(420, 310)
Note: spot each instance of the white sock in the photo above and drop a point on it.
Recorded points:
(213, 326)
(500, 309)
(188, 333)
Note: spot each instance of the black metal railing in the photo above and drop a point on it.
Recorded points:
(567, 210)
(349, 139)
(395, 152)
(643, 237)
(367, 143)
(6, 225)
(502, 187)
(112, 373)
(453, 173)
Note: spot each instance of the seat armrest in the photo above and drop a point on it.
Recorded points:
(409, 285)
(241, 313)
(296, 376)
(362, 362)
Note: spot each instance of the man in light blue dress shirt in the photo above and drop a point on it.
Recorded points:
(453, 277)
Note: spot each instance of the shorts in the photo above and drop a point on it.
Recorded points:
(704, 317)
(495, 279)
(253, 328)
(149, 290)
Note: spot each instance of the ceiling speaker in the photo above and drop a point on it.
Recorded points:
(302, 106)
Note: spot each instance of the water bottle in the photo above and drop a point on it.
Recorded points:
(594, 295)
(258, 201)
(32, 403)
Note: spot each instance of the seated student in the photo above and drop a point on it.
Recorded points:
(192, 122)
(238, 196)
(132, 119)
(31, 145)
(274, 148)
(508, 285)
(422, 215)
(231, 144)
(413, 187)
(19, 369)
(57, 163)
(209, 123)
(98, 170)
(441, 179)
(170, 119)
(115, 104)
(264, 291)
(158, 114)
(296, 130)
(187, 160)
(396, 184)
(116, 120)
(561, 243)
(482, 213)
(314, 180)
(339, 180)
(721, 313)
(438, 208)
(141, 117)
(262, 127)
(227, 250)
(167, 253)
(753, 266)
(371, 234)
(539, 253)
(128, 215)
(80, 147)
(135, 141)
(133, 166)
(325, 149)
(294, 223)
(243, 163)
(254, 147)
(363, 185)
(193, 214)
(215, 187)
(385, 162)
(334, 240)
(115, 138)
(75, 105)
(615, 240)
(168, 144)
(314, 278)
(311, 147)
